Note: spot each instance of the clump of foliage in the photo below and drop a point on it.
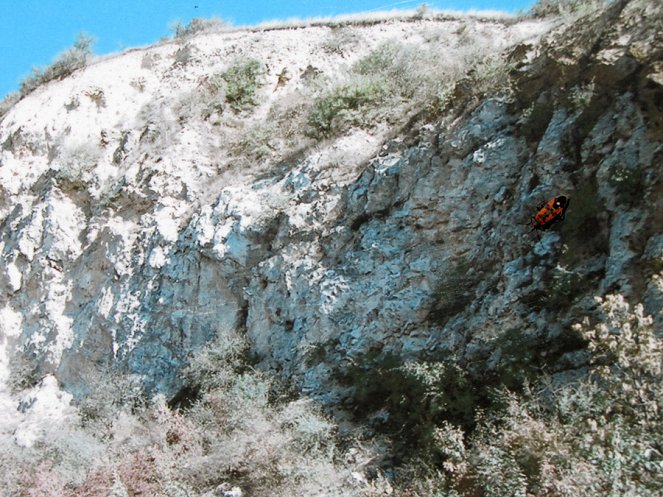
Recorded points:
(393, 80)
(258, 142)
(492, 75)
(344, 107)
(242, 82)
(409, 400)
(580, 96)
(235, 87)
(196, 26)
(66, 63)
(8, 102)
(600, 435)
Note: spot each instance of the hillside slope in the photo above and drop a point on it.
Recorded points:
(350, 199)
(140, 200)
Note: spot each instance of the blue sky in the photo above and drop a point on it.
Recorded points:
(35, 31)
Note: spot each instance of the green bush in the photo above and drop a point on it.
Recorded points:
(407, 72)
(259, 142)
(235, 88)
(241, 83)
(580, 96)
(391, 83)
(344, 107)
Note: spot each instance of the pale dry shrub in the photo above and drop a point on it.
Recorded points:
(234, 433)
(197, 26)
(138, 474)
(259, 142)
(340, 40)
(98, 483)
(65, 64)
(42, 481)
(491, 76)
(8, 102)
(398, 80)
(600, 436)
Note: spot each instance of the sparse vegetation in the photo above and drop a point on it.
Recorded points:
(242, 81)
(344, 107)
(545, 8)
(234, 88)
(379, 83)
(258, 142)
(598, 436)
(520, 432)
(196, 26)
(8, 102)
(231, 434)
(489, 412)
(66, 63)
(397, 80)
(580, 96)
(97, 95)
(492, 76)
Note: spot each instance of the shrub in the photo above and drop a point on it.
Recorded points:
(258, 142)
(196, 26)
(232, 433)
(390, 83)
(242, 82)
(216, 364)
(344, 107)
(69, 61)
(236, 87)
(43, 481)
(97, 95)
(410, 401)
(184, 55)
(492, 75)
(402, 68)
(339, 40)
(8, 102)
(598, 436)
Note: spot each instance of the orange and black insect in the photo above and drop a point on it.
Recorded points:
(550, 212)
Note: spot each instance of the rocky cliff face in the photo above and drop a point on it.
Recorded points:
(135, 228)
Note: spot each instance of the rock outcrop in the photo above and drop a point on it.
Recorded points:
(132, 235)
